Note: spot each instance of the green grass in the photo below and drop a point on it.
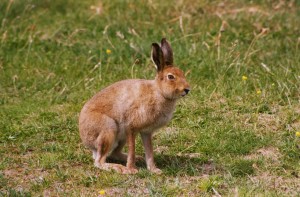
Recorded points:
(228, 136)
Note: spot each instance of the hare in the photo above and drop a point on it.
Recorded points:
(120, 111)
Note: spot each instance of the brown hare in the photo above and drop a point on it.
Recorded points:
(120, 111)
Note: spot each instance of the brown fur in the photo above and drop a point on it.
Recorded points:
(119, 112)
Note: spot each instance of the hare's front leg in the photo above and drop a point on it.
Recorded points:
(147, 141)
(131, 153)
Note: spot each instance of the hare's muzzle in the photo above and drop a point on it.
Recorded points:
(186, 91)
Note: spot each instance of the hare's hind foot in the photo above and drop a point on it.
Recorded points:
(156, 171)
(116, 168)
(130, 171)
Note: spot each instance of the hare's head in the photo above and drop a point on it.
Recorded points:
(171, 80)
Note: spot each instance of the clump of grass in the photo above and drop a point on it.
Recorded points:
(210, 184)
(241, 168)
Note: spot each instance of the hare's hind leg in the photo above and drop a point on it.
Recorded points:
(104, 143)
(103, 146)
(101, 155)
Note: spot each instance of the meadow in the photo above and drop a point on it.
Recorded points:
(235, 134)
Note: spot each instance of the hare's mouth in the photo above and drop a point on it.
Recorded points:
(183, 94)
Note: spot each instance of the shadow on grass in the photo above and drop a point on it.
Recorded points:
(174, 165)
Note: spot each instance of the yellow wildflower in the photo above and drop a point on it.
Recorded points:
(258, 91)
(102, 192)
(108, 51)
(244, 78)
(298, 134)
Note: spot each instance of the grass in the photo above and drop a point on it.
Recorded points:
(228, 137)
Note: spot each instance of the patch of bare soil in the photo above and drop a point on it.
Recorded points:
(21, 177)
(268, 122)
(286, 185)
(270, 153)
(186, 185)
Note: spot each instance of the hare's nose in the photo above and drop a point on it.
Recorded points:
(186, 91)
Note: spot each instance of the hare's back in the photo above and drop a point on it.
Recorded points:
(121, 95)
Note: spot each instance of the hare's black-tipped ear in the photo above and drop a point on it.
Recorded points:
(157, 57)
(167, 51)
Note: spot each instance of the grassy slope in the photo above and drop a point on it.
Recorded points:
(225, 137)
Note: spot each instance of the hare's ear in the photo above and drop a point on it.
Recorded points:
(167, 51)
(157, 57)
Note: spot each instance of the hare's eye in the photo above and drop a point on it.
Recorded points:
(171, 77)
